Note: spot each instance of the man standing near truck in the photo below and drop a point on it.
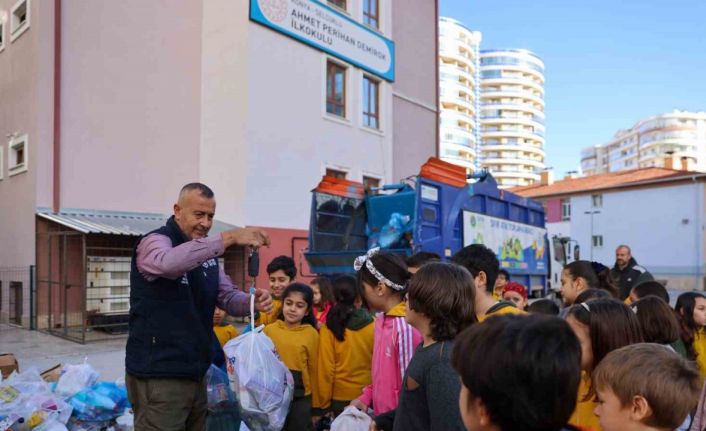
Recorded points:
(175, 285)
(626, 272)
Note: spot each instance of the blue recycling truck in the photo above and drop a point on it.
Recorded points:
(436, 211)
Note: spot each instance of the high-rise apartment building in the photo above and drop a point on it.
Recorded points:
(459, 93)
(492, 106)
(512, 115)
(661, 141)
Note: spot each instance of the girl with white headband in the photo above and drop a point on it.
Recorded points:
(383, 280)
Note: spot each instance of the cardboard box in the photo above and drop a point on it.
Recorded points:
(8, 364)
(52, 374)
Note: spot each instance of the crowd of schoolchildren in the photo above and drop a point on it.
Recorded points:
(423, 344)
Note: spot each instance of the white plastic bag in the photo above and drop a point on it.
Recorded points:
(262, 384)
(351, 419)
(75, 378)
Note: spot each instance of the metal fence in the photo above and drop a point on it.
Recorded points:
(83, 282)
(17, 289)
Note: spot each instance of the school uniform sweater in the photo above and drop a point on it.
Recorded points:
(700, 348)
(502, 307)
(225, 333)
(584, 416)
(394, 344)
(344, 366)
(298, 348)
(272, 316)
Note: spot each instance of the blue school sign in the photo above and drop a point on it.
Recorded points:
(328, 30)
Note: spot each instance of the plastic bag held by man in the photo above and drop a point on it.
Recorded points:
(262, 384)
(351, 419)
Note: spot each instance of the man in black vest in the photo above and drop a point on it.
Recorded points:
(627, 273)
(175, 285)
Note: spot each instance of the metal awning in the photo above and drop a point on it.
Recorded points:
(115, 222)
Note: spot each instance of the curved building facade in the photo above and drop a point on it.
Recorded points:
(512, 115)
(459, 93)
(674, 140)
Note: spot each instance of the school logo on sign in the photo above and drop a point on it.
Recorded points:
(274, 10)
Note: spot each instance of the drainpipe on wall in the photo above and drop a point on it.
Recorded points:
(56, 161)
(436, 75)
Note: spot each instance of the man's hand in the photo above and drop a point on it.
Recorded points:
(263, 301)
(358, 404)
(252, 236)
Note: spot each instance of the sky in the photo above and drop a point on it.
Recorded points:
(608, 63)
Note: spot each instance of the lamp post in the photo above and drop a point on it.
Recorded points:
(591, 213)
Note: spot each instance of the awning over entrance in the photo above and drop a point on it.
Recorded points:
(115, 222)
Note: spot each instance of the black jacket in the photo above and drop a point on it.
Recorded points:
(171, 321)
(629, 277)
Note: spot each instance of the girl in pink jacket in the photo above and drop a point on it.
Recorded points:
(383, 278)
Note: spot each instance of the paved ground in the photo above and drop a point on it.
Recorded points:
(37, 349)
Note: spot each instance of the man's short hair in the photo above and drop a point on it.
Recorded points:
(203, 190)
(477, 258)
(652, 287)
(625, 247)
(668, 382)
(532, 360)
(285, 263)
(420, 258)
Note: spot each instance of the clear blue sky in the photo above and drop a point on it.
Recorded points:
(608, 63)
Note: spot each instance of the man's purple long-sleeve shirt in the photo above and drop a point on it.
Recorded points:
(157, 258)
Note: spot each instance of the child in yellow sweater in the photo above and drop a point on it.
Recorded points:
(281, 273)
(345, 348)
(691, 313)
(224, 333)
(297, 343)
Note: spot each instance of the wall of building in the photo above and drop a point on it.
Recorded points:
(130, 103)
(19, 88)
(663, 226)
(290, 137)
(414, 100)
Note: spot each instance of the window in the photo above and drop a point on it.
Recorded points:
(341, 175)
(371, 102)
(565, 209)
(370, 182)
(597, 201)
(597, 240)
(17, 155)
(341, 4)
(2, 35)
(371, 12)
(19, 19)
(335, 89)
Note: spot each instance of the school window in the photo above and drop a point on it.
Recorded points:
(565, 209)
(597, 201)
(17, 155)
(341, 175)
(371, 102)
(371, 13)
(370, 182)
(335, 89)
(19, 19)
(2, 35)
(597, 240)
(341, 4)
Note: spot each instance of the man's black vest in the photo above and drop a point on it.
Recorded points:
(171, 321)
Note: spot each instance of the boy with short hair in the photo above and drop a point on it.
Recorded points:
(645, 387)
(281, 271)
(483, 265)
(518, 373)
(415, 261)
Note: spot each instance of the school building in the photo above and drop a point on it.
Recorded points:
(658, 212)
(108, 108)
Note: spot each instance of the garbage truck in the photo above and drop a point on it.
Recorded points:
(438, 211)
